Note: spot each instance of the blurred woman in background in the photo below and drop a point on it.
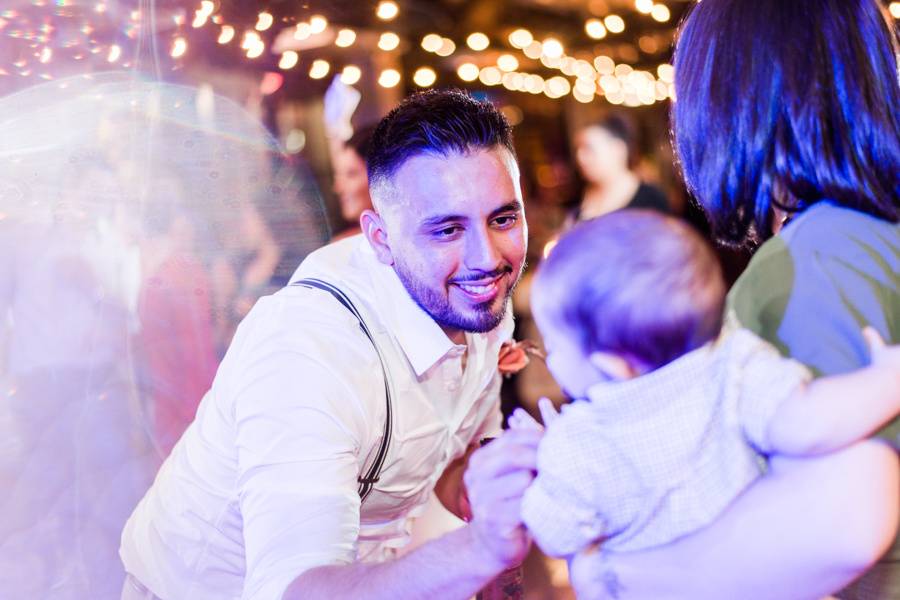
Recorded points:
(607, 155)
(351, 180)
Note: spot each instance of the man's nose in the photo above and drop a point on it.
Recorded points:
(483, 251)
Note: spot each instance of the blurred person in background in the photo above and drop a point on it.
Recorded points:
(175, 348)
(74, 459)
(351, 182)
(606, 154)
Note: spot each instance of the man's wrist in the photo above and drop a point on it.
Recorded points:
(485, 563)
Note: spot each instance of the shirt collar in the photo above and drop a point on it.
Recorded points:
(353, 263)
(638, 397)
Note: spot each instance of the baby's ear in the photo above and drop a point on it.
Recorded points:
(613, 366)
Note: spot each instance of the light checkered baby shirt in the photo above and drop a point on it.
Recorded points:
(648, 460)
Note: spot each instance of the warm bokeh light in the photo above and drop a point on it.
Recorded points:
(666, 72)
(389, 78)
(520, 38)
(351, 74)
(319, 69)
(490, 76)
(303, 31)
(552, 48)
(643, 6)
(604, 65)
(432, 42)
(507, 62)
(345, 38)
(226, 34)
(424, 77)
(114, 53)
(895, 9)
(179, 47)
(446, 48)
(468, 71)
(614, 23)
(388, 41)
(317, 24)
(288, 60)
(478, 41)
(533, 50)
(661, 13)
(386, 11)
(595, 29)
(264, 21)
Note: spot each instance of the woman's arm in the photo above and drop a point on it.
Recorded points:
(805, 530)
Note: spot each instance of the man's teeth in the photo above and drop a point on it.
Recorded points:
(478, 289)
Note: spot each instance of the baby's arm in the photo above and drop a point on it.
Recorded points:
(833, 412)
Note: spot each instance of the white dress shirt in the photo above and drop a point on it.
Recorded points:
(262, 486)
(651, 459)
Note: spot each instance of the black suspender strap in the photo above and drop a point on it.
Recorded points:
(368, 480)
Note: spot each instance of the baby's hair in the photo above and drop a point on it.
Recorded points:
(633, 283)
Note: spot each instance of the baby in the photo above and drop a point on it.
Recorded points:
(673, 410)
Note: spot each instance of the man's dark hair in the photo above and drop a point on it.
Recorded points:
(783, 104)
(436, 122)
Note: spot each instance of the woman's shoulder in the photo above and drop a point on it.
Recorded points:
(827, 227)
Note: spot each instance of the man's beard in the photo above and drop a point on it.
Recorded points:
(481, 318)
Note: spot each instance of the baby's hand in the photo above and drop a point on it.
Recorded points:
(520, 419)
(882, 354)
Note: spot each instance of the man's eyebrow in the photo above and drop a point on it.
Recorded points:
(441, 219)
(512, 206)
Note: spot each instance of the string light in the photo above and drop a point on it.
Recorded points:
(386, 11)
(319, 69)
(447, 48)
(660, 13)
(895, 9)
(478, 41)
(317, 24)
(179, 47)
(345, 38)
(351, 74)
(507, 62)
(533, 50)
(388, 41)
(467, 71)
(264, 21)
(114, 53)
(595, 29)
(424, 77)
(552, 48)
(389, 78)
(288, 60)
(666, 72)
(520, 38)
(614, 23)
(643, 6)
(226, 35)
(432, 42)
(490, 76)
(302, 31)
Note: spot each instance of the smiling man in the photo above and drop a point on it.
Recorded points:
(333, 417)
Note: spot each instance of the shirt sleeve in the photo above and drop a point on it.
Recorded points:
(584, 492)
(766, 380)
(299, 433)
(492, 425)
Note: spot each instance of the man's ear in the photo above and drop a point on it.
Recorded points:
(613, 366)
(373, 227)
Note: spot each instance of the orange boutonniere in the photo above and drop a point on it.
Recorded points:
(515, 356)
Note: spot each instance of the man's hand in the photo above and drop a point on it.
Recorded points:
(496, 479)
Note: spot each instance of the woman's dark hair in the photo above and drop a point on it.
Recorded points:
(361, 140)
(435, 122)
(622, 128)
(785, 103)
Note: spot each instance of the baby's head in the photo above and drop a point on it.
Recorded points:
(625, 294)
